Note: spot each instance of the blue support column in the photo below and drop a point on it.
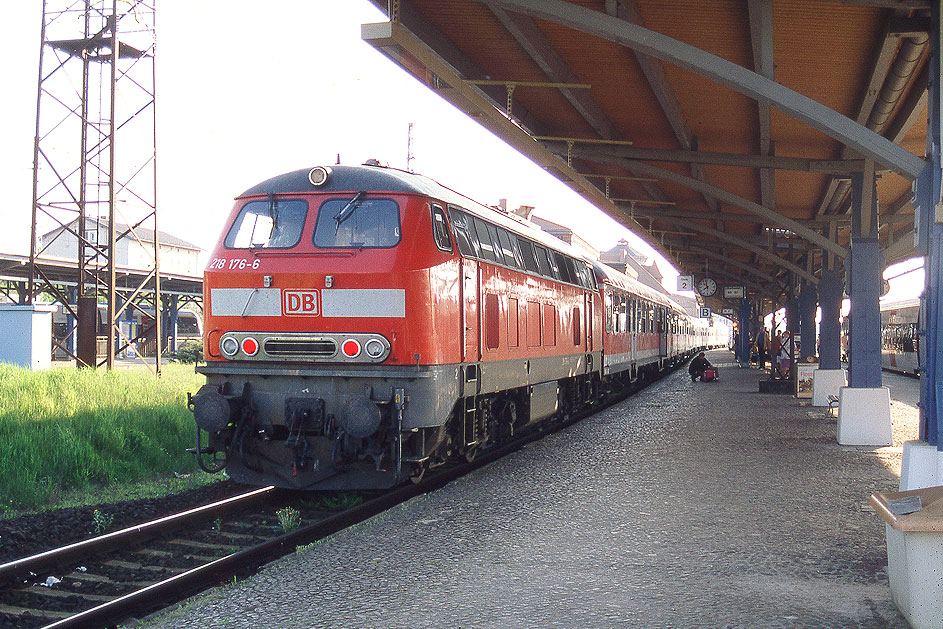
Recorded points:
(831, 289)
(808, 300)
(930, 243)
(746, 332)
(866, 268)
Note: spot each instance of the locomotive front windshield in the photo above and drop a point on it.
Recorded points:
(271, 224)
(358, 223)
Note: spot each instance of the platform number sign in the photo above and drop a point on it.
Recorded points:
(685, 282)
(705, 312)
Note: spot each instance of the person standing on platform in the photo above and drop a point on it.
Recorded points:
(761, 344)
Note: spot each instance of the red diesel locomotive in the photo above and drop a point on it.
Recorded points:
(363, 324)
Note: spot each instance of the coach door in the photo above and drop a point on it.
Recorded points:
(588, 320)
(471, 323)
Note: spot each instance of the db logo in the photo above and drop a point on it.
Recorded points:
(300, 302)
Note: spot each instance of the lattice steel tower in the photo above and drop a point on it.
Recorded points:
(95, 173)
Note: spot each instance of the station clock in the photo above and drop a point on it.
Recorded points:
(706, 287)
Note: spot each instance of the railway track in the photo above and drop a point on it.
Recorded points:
(135, 571)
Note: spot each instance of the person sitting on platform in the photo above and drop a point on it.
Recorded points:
(697, 367)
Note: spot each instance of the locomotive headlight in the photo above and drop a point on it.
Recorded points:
(229, 346)
(351, 348)
(250, 346)
(319, 175)
(373, 348)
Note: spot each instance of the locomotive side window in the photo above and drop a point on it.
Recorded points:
(440, 229)
(272, 223)
(542, 262)
(512, 254)
(529, 255)
(467, 244)
(357, 223)
(480, 230)
(499, 254)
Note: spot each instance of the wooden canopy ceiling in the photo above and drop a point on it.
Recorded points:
(724, 132)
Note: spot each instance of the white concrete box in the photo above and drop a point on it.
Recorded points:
(915, 553)
(26, 335)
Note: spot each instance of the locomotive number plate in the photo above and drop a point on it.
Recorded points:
(300, 303)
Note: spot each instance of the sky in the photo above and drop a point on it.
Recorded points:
(256, 90)
(249, 90)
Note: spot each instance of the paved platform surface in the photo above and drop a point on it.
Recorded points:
(687, 505)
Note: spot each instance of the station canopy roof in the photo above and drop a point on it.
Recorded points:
(726, 133)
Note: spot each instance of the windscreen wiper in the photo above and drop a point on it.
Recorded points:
(347, 210)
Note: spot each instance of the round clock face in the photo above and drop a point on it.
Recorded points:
(706, 287)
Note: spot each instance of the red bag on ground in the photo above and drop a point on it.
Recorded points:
(710, 374)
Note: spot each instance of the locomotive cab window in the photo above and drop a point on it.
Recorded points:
(270, 223)
(357, 223)
(440, 229)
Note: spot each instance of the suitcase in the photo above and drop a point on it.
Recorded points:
(710, 374)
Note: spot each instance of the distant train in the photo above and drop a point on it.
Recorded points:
(900, 341)
(365, 324)
(900, 337)
(132, 324)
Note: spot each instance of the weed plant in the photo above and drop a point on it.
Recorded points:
(289, 518)
(67, 429)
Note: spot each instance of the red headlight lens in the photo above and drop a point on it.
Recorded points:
(351, 348)
(250, 346)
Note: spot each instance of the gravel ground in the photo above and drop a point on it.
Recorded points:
(688, 505)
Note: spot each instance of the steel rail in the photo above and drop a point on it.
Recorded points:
(37, 563)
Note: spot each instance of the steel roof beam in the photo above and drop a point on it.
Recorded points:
(446, 49)
(526, 32)
(535, 44)
(654, 72)
(740, 242)
(761, 35)
(754, 208)
(801, 164)
(863, 140)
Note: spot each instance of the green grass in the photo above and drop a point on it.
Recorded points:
(66, 431)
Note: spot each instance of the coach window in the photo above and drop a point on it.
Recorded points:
(623, 314)
(610, 313)
(270, 224)
(357, 223)
(440, 229)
